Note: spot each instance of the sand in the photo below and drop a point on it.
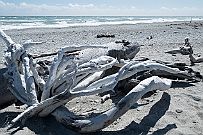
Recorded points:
(175, 111)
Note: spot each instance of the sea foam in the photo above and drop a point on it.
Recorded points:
(23, 22)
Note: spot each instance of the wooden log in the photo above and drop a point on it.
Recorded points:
(6, 38)
(184, 50)
(30, 88)
(47, 106)
(23, 78)
(106, 36)
(119, 51)
(70, 50)
(103, 120)
(17, 84)
(29, 43)
(100, 86)
(19, 76)
(133, 68)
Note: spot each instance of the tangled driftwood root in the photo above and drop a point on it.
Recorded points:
(67, 78)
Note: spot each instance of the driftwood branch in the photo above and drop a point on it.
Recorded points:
(73, 50)
(108, 117)
(186, 49)
(6, 39)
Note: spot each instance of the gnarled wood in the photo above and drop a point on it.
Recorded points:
(108, 117)
(71, 76)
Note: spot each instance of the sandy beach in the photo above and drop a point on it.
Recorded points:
(171, 112)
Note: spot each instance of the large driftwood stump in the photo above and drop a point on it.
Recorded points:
(72, 75)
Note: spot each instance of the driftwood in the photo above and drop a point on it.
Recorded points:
(186, 49)
(124, 42)
(71, 76)
(68, 51)
(108, 117)
(107, 36)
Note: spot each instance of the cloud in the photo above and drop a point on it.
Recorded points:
(42, 9)
(4, 4)
(188, 11)
(23, 8)
(80, 6)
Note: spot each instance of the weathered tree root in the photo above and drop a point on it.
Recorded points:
(69, 78)
(108, 117)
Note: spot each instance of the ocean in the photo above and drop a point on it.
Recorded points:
(23, 22)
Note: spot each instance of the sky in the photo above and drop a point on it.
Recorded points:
(101, 7)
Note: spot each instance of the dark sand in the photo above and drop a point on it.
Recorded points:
(175, 111)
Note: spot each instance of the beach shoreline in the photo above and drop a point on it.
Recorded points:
(23, 22)
(161, 114)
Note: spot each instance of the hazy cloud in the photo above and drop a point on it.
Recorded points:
(190, 11)
(80, 6)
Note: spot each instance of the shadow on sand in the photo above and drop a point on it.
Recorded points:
(143, 128)
(48, 125)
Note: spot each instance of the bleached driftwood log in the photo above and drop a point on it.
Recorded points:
(70, 78)
(186, 49)
(103, 120)
(22, 86)
(105, 84)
